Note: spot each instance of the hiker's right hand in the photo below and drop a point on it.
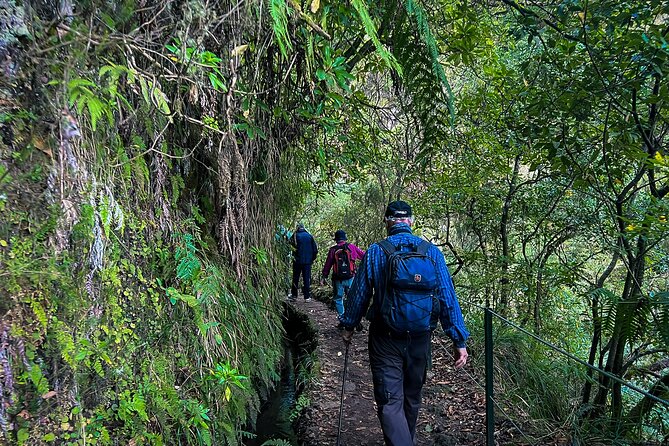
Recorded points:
(461, 356)
(347, 336)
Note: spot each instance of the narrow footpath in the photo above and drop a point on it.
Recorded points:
(453, 410)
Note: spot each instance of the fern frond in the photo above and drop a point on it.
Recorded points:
(278, 10)
(608, 308)
(370, 29)
(663, 325)
(246, 434)
(208, 288)
(634, 318)
(660, 315)
(429, 104)
(188, 264)
(630, 318)
(418, 13)
(96, 109)
(275, 442)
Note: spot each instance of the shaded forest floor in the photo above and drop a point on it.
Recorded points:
(453, 411)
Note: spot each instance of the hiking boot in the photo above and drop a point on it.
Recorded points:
(308, 299)
(359, 327)
(291, 298)
(340, 326)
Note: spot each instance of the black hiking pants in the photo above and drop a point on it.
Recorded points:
(304, 270)
(399, 368)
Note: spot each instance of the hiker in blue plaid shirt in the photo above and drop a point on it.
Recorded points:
(399, 361)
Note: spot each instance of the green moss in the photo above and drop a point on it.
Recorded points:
(90, 262)
(102, 335)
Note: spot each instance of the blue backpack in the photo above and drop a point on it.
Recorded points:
(410, 304)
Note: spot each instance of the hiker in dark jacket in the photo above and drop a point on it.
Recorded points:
(305, 254)
(399, 360)
(341, 280)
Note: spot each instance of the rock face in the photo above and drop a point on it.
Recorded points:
(12, 28)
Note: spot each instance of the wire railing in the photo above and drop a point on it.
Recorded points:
(493, 405)
(497, 404)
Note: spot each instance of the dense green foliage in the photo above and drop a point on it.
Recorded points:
(148, 152)
(149, 149)
(547, 195)
(139, 299)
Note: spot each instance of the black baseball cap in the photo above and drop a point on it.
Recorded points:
(398, 209)
(340, 235)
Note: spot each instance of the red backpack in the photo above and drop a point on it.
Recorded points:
(344, 266)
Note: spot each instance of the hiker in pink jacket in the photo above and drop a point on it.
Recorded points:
(341, 259)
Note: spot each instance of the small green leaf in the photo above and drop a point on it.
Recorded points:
(145, 90)
(22, 435)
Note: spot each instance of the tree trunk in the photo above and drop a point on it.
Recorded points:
(548, 251)
(597, 327)
(504, 236)
(625, 314)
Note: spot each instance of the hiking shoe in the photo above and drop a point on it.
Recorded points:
(359, 327)
(291, 299)
(340, 326)
(308, 299)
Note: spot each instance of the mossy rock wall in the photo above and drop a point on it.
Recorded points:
(138, 200)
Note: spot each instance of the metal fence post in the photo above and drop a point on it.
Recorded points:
(489, 407)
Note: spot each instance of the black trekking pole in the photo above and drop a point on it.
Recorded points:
(341, 399)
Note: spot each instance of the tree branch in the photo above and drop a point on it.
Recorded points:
(528, 12)
(308, 20)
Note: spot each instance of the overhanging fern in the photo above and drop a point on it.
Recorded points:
(428, 104)
(417, 12)
(278, 9)
(370, 29)
(81, 93)
(630, 317)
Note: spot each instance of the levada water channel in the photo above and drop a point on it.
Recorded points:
(278, 414)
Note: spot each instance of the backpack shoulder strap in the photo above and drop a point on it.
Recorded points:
(387, 247)
(423, 247)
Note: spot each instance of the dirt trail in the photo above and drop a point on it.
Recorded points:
(453, 410)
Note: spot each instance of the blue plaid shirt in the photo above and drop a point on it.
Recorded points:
(369, 283)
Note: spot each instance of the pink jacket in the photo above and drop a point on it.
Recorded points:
(356, 254)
